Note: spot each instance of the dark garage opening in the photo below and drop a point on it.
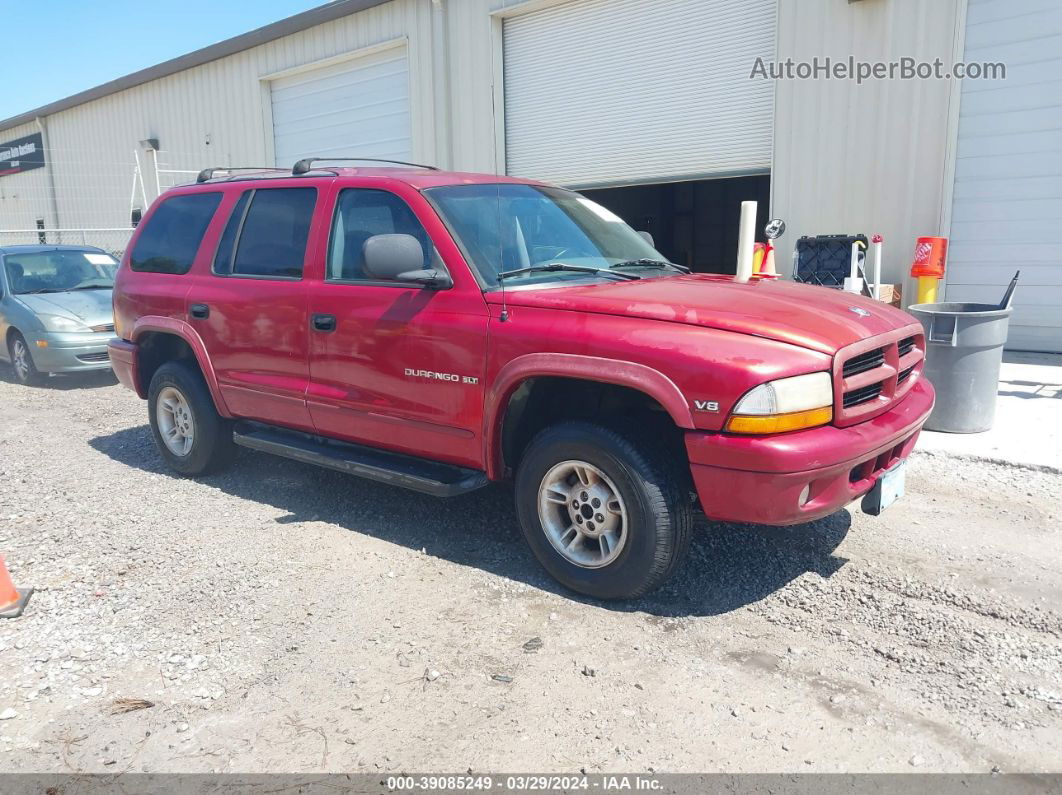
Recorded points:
(693, 223)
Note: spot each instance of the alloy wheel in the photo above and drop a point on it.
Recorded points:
(582, 514)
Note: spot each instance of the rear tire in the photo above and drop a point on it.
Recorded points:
(607, 513)
(191, 436)
(26, 372)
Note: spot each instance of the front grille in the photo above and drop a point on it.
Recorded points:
(864, 362)
(867, 382)
(94, 357)
(103, 327)
(862, 395)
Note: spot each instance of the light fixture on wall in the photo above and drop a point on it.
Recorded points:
(151, 144)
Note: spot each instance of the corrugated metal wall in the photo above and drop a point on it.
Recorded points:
(866, 158)
(847, 158)
(23, 197)
(209, 115)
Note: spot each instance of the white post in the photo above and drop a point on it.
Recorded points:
(853, 283)
(877, 240)
(746, 241)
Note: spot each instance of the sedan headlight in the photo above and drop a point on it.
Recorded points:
(62, 323)
(788, 404)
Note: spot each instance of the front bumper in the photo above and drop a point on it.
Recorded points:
(760, 479)
(55, 352)
(124, 363)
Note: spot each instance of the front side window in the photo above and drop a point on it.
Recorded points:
(360, 214)
(170, 239)
(506, 227)
(266, 234)
(59, 271)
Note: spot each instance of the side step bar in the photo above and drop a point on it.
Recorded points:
(395, 469)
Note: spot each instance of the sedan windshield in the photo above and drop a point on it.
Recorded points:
(511, 228)
(59, 271)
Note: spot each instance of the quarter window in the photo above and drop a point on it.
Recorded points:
(170, 239)
(360, 214)
(270, 228)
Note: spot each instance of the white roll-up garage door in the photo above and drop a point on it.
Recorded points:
(1008, 170)
(355, 108)
(629, 91)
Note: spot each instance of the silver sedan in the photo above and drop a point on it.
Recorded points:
(55, 309)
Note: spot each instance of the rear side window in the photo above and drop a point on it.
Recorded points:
(266, 234)
(227, 244)
(171, 237)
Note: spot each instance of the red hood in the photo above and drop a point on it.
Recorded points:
(812, 317)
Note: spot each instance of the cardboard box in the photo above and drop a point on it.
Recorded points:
(891, 294)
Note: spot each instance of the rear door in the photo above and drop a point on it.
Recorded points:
(395, 365)
(250, 309)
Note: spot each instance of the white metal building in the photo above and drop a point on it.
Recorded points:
(647, 104)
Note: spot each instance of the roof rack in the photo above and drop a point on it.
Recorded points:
(304, 165)
(208, 173)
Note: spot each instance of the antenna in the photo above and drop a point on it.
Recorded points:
(504, 316)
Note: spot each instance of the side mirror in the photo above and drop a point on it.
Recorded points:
(400, 258)
(648, 238)
(774, 229)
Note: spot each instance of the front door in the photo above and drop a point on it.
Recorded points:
(251, 309)
(394, 365)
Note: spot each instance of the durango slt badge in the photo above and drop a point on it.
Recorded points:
(434, 376)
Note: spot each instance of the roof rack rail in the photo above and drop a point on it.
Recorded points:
(304, 165)
(208, 173)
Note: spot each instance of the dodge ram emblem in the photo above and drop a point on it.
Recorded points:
(859, 311)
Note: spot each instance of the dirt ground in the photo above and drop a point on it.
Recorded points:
(280, 617)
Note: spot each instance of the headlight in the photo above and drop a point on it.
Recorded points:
(62, 323)
(787, 404)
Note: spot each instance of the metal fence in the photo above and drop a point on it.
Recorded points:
(111, 240)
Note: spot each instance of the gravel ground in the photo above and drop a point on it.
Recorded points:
(279, 617)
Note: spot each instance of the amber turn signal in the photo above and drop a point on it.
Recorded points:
(779, 423)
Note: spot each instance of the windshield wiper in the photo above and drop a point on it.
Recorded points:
(94, 287)
(651, 263)
(564, 266)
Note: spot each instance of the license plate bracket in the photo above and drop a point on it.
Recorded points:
(890, 487)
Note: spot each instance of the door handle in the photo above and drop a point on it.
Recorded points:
(323, 322)
(199, 311)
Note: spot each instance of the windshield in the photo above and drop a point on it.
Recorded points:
(59, 271)
(507, 227)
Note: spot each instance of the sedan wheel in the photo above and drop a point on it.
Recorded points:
(21, 359)
(26, 371)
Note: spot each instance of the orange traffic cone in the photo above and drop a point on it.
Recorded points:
(12, 600)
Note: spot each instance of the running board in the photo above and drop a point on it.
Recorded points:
(395, 469)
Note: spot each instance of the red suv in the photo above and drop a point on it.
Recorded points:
(439, 331)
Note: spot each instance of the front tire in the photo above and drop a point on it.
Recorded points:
(190, 434)
(604, 512)
(26, 372)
